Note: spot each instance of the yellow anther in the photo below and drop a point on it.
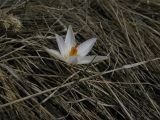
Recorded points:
(73, 51)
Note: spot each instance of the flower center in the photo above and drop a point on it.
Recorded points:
(73, 51)
(71, 56)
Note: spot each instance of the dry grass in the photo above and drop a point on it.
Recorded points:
(35, 86)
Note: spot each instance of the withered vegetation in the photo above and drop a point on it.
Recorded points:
(35, 86)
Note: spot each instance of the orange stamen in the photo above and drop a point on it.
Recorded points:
(73, 51)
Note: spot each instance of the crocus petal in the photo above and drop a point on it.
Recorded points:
(54, 53)
(61, 45)
(85, 47)
(70, 39)
(93, 59)
(72, 60)
(100, 58)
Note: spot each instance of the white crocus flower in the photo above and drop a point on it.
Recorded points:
(72, 53)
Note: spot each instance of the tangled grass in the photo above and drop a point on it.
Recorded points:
(35, 86)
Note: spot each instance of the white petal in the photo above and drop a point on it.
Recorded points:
(53, 53)
(70, 38)
(61, 45)
(85, 47)
(72, 60)
(93, 59)
(100, 58)
(85, 60)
